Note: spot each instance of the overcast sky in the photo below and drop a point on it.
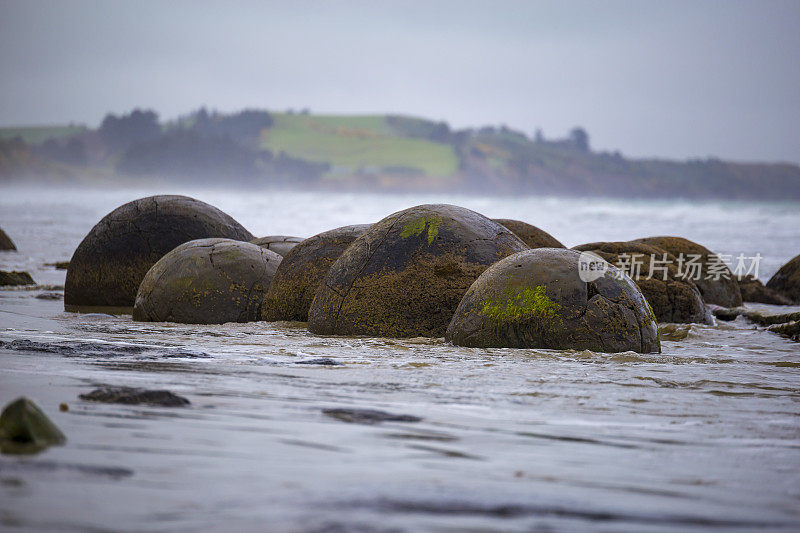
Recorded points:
(669, 79)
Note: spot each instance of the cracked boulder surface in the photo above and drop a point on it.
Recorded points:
(786, 280)
(536, 299)
(302, 271)
(716, 289)
(672, 298)
(5, 241)
(207, 281)
(405, 275)
(112, 259)
(280, 244)
(529, 234)
(755, 291)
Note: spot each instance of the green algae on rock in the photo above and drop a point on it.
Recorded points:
(111, 261)
(15, 278)
(207, 281)
(713, 278)
(302, 270)
(537, 299)
(530, 234)
(25, 429)
(405, 276)
(786, 280)
(672, 297)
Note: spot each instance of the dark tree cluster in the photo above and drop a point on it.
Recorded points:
(244, 127)
(118, 133)
(71, 151)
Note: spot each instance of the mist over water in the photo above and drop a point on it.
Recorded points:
(702, 436)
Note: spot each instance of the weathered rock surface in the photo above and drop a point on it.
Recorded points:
(5, 241)
(367, 416)
(207, 281)
(672, 297)
(24, 428)
(529, 234)
(786, 280)
(109, 264)
(302, 271)
(280, 244)
(754, 291)
(405, 276)
(15, 278)
(712, 277)
(135, 396)
(536, 299)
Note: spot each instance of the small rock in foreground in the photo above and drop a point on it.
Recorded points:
(25, 429)
(368, 416)
(15, 278)
(135, 396)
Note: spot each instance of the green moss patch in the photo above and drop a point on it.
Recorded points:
(525, 303)
(417, 226)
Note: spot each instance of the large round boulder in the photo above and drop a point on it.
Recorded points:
(529, 234)
(302, 270)
(405, 276)
(786, 281)
(109, 264)
(696, 262)
(207, 281)
(280, 244)
(672, 297)
(755, 291)
(538, 299)
(5, 241)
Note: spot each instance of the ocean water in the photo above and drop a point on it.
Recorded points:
(704, 436)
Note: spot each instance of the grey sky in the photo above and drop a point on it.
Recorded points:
(669, 79)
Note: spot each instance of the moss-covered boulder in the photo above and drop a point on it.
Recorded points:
(712, 277)
(207, 281)
(302, 270)
(15, 278)
(537, 299)
(109, 264)
(24, 429)
(5, 241)
(672, 297)
(405, 276)
(529, 234)
(754, 291)
(280, 244)
(786, 281)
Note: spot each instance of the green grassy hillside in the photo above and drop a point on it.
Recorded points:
(350, 143)
(39, 134)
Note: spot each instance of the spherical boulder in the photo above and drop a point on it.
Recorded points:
(405, 276)
(712, 277)
(786, 280)
(280, 244)
(538, 299)
(302, 270)
(5, 241)
(109, 264)
(755, 291)
(529, 234)
(207, 281)
(672, 297)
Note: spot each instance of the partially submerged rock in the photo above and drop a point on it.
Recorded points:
(537, 299)
(405, 276)
(367, 416)
(672, 297)
(207, 281)
(135, 396)
(754, 291)
(529, 234)
(786, 281)
(24, 429)
(5, 241)
(280, 244)
(15, 278)
(58, 265)
(111, 261)
(302, 271)
(712, 277)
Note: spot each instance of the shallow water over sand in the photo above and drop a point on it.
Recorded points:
(705, 435)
